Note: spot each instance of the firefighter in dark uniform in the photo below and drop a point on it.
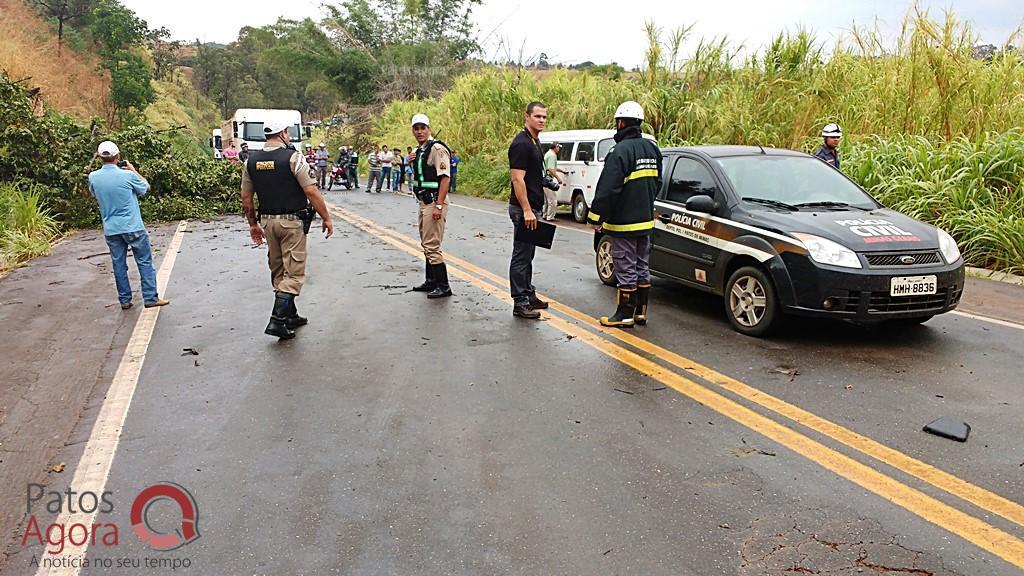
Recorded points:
(623, 208)
(287, 193)
(431, 177)
(829, 151)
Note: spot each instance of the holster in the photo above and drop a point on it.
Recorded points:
(307, 215)
(425, 196)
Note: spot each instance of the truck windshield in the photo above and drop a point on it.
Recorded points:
(253, 132)
(793, 180)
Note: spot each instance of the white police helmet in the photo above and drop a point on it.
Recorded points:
(629, 110)
(832, 130)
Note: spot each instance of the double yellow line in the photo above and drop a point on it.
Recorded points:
(978, 532)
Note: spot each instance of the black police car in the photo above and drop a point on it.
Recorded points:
(780, 232)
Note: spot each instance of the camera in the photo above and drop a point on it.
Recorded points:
(551, 183)
(122, 163)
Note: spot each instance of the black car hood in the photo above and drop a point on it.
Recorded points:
(880, 230)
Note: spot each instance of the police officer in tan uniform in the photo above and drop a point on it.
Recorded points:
(431, 177)
(287, 193)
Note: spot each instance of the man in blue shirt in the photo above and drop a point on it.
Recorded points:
(115, 187)
(455, 169)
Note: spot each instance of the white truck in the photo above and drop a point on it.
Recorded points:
(247, 126)
(216, 144)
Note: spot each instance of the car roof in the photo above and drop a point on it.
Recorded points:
(724, 151)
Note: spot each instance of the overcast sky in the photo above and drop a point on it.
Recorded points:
(573, 31)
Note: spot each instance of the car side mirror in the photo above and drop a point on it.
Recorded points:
(701, 203)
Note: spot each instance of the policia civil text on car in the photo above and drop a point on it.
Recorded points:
(431, 177)
(287, 195)
(623, 208)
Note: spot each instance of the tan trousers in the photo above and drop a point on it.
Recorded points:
(550, 204)
(432, 232)
(286, 252)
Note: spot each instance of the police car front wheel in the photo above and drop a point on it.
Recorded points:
(751, 303)
(605, 265)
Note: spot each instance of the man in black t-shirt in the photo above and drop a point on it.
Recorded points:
(526, 165)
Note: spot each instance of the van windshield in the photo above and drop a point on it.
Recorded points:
(603, 147)
(793, 180)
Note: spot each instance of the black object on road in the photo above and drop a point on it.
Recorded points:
(543, 236)
(949, 427)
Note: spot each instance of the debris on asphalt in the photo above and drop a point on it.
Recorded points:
(724, 525)
(481, 236)
(848, 387)
(187, 351)
(791, 372)
(623, 391)
(741, 452)
(939, 396)
(58, 468)
(607, 551)
(949, 427)
(94, 255)
(569, 337)
(659, 388)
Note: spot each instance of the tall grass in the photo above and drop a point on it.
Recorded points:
(28, 49)
(926, 124)
(26, 228)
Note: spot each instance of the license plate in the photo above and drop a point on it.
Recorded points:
(913, 286)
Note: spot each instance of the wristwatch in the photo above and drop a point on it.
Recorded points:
(438, 207)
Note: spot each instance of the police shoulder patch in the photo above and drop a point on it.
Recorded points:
(442, 166)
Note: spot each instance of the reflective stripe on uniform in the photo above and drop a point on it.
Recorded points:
(628, 227)
(593, 217)
(428, 185)
(645, 173)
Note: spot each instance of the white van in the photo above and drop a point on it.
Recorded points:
(582, 156)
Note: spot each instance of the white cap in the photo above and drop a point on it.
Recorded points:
(420, 119)
(321, 145)
(629, 109)
(108, 149)
(272, 127)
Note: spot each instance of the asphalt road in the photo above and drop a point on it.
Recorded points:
(397, 435)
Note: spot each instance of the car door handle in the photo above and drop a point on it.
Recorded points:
(666, 218)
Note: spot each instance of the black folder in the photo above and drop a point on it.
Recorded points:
(543, 236)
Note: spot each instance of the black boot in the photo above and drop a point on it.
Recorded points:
(430, 284)
(623, 317)
(643, 291)
(293, 320)
(442, 290)
(279, 317)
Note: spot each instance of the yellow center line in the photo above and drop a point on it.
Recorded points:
(941, 479)
(976, 531)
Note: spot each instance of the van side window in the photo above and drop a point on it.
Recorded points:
(603, 147)
(689, 178)
(588, 148)
(565, 154)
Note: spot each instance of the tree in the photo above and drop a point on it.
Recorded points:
(115, 27)
(131, 89)
(64, 11)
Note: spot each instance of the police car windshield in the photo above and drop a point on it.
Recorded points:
(793, 180)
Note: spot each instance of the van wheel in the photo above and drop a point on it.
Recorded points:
(751, 303)
(579, 208)
(605, 265)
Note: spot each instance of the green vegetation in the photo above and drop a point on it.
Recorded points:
(26, 229)
(365, 52)
(47, 158)
(925, 120)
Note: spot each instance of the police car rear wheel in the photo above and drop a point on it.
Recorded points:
(579, 208)
(750, 302)
(605, 265)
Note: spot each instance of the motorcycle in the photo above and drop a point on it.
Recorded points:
(340, 176)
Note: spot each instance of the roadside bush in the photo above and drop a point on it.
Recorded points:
(26, 229)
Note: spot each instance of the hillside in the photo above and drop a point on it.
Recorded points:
(72, 83)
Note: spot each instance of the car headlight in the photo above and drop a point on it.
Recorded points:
(948, 247)
(828, 252)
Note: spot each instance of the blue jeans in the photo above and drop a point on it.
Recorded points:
(139, 242)
(385, 178)
(396, 178)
